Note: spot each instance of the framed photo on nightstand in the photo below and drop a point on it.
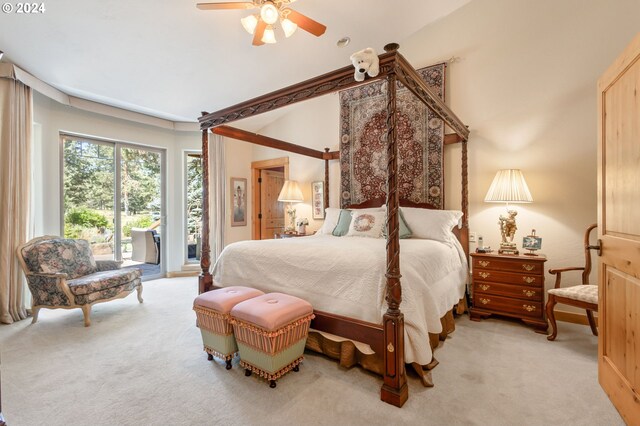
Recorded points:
(532, 243)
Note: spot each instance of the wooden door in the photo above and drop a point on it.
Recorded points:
(272, 210)
(619, 230)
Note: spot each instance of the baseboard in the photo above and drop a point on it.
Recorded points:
(574, 317)
(178, 274)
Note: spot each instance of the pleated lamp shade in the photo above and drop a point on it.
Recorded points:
(508, 186)
(290, 192)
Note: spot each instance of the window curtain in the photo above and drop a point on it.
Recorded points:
(15, 174)
(217, 192)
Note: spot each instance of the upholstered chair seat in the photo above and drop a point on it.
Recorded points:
(62, 273)
(583, 293)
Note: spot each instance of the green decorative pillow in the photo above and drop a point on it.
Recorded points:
(405, 231)
(344, 220)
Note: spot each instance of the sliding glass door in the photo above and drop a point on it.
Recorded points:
(113, 197)
(89, 194)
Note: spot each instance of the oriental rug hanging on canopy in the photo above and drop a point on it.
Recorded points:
(363, 146)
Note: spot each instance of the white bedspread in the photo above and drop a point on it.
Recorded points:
(345, 276)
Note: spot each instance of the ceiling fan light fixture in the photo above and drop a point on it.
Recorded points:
(269, 13)
(249, 23)
(289, 27)
(269, 36)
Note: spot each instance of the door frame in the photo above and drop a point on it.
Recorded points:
(256, 168)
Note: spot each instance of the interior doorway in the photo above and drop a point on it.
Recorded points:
(267, 179)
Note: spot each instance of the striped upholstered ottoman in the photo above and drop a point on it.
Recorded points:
(271, 331)
(212, 310)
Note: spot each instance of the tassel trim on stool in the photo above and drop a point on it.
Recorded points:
(260, 372)
(217, 354)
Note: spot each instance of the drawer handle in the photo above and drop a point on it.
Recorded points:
(484, 301)
(529, 293)
(484, 287)
(528, 267)
(529, 308)
(484, 274)
(529, 280)
(484, 263)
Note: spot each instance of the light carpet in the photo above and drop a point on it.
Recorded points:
(144, 365)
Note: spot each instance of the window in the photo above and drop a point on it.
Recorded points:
(193, 205)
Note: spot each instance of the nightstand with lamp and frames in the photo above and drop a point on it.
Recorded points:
(508, 283)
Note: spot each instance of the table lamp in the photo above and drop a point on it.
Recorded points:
(291, 193)
(507, 187)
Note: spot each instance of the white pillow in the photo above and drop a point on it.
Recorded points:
(431, 224)
(331, 215)
(366, 223)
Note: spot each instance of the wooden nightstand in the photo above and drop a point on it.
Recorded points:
(509, 285)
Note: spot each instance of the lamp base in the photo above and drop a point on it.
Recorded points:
(508, 248)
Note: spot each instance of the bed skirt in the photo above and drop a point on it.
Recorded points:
(350, 353)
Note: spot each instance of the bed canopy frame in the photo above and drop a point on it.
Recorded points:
(387, 338)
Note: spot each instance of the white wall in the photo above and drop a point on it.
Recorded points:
(51, 118)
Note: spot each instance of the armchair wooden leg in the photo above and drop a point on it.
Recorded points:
(551, 303)
(139, 290)
(592, 322)
(34, 312)
(86, 311)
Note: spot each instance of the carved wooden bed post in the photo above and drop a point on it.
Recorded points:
(394, 390)
(205, 280)
(465, 200)
(326, 180)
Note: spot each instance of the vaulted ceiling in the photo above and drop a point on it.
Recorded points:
(171, 60)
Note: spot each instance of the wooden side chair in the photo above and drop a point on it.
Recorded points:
(583, 295)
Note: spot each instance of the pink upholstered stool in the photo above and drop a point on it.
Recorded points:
(212, 310)
(271, 332)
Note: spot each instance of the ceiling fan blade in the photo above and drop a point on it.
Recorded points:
(306, 23)
(226, 5)
(259, 32)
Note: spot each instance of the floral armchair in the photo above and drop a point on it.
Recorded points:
(62, 273)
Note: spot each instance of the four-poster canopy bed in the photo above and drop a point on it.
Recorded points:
(386, 338)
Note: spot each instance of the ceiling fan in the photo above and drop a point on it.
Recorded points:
(261, 24)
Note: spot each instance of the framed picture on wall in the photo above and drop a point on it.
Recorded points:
(317, 198)
(238, 202)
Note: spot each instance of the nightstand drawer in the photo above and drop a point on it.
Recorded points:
(522, 292)
(508, 277)
(517, 307)
(515, 264)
